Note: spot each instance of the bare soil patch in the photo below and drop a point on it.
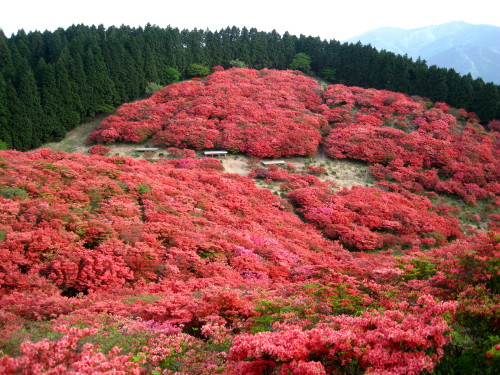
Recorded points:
(237, 164)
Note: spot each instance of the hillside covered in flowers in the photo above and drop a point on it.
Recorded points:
(120, 266)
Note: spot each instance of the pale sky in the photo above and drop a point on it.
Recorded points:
(328, 19)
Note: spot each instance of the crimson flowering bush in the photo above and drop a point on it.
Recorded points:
(456, 267)
(217, 68)
(76, 229)
(409, 146)
(197, 133)
(178, 153)
(462, 272)
(386, 342)
(494, 125)
(64, 357)
(265, 113)
(99, 150)
(316, 171)
(211, 163)
(103, 226)
(272, 113)
(371, 218)
(289, 178)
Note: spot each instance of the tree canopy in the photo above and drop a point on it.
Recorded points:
(171, 75)
(301, 62)
(198, 70)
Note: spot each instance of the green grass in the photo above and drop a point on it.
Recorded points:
(33, 331)
(483, 208)
(77, 137)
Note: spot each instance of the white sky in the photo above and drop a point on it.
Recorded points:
(328, 19)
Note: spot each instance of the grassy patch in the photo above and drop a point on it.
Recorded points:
(11, 192)
(77, 138)
(33, 331)
(474, 215)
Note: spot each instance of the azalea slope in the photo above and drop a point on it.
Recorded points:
(242, 110)
(194, 264)
(114, 265)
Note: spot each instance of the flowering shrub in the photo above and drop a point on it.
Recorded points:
(64, 357)
(178, 153)
(387, 342)
(122, 266)
(211, 163)
(217, 68)
(409, 146)
(264, 113)
(99, 150)
(370, 218)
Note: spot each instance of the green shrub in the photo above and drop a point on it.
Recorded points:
(198, 70)
(152, 87)
(172, 75)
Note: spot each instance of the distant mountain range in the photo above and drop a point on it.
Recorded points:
(467, 48)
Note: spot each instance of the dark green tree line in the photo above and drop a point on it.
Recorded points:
(52, 81)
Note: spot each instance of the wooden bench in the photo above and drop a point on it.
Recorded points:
(145, 149)
(215, 153)
(273, 162)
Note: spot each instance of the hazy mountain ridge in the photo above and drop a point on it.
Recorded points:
(467, 48)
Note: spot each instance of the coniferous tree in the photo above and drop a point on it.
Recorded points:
(54, 43)
(50, 101)
(402, 78)
(275, 49)
(37, 47)
(288, 46)
(6, 64)
(229, 43)
(6, 75)
(192, 42)
(487, 101)
(27, 125)
(70, 80)
(214, 49)
(437, 87)
(313, 47)
(101, 86)
(176, 51)
(22, 43)
(151, 58)
(259, 52)
(5, 134)
(419, 74)
(242, 51)
(459, 90)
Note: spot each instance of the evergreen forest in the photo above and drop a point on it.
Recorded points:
(52, 81)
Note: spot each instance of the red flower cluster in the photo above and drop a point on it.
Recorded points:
(374, 339)
(411, 147)
(99, 150)
(371, 218)
(92, 223)
(265, 113)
